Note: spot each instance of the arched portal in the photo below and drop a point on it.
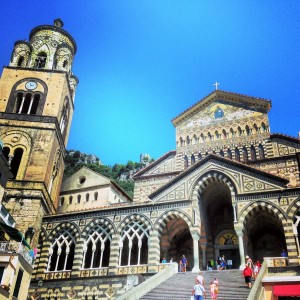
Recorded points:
(176, 240)
(217, 221)
(264, 235)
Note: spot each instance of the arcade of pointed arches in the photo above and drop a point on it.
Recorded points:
(134, 234)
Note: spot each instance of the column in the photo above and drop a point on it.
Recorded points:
(234, 212)
(239, 232)
(196, 238)
(154, 252)
(114, 255)
(78, 258)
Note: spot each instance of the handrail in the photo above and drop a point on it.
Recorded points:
(152, 282)
(257, 289)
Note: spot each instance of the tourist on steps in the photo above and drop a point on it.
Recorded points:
(198, 291)
(214, 289)
(200, 278)
(184, 263)
(247, 274)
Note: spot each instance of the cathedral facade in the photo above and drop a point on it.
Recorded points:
(231, 187)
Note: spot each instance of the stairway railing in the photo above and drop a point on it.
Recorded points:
(257, 290)
(146, 286)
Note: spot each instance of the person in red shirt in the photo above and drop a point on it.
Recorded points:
(247, 273)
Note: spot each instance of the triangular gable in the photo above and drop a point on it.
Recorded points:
(84, 178)
(237, 106)
(164, 164)
(246, 180)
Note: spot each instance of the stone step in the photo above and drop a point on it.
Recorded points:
(180, 285)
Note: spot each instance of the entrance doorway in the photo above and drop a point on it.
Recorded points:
(232, 257)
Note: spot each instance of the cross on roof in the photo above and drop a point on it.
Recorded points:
(216, 84)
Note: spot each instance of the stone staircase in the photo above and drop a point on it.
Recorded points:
(180, 285)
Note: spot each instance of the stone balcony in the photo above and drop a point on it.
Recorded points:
(12, 247)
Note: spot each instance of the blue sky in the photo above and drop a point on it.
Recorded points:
(141, 63)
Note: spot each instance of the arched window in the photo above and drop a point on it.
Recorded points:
(209, 136)
(20, 61)
(40, 61)
(248, 131)
(237, 154)
(222, 153)
(64, 116)
(78, 198)
(263, 127)
(186, 162)
(224, 134)
(202, 137)
(96, 196)
(181, 142)
(16, 161)
(239, 130)
(194, 139)
(134, 244)
(232, 133)
(217, 134)
(96, 248)
(188, 141)
(87, 197)
(70, 200)
(245, 154)
(253, 153)
(65, 64)
(229, 154)
(256, 128)
(193, 159)
(261, 152)
(62, 201)
(61, 253)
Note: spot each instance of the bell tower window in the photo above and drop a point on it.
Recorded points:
(15, 161)
(40, 61)
(20, 61)
(27, 103)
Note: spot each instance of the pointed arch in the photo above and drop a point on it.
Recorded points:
(96, 248)
(252, 208)
(209, 177)
(167, 216)
(134, 239)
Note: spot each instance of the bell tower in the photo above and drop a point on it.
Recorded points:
(37, 91)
